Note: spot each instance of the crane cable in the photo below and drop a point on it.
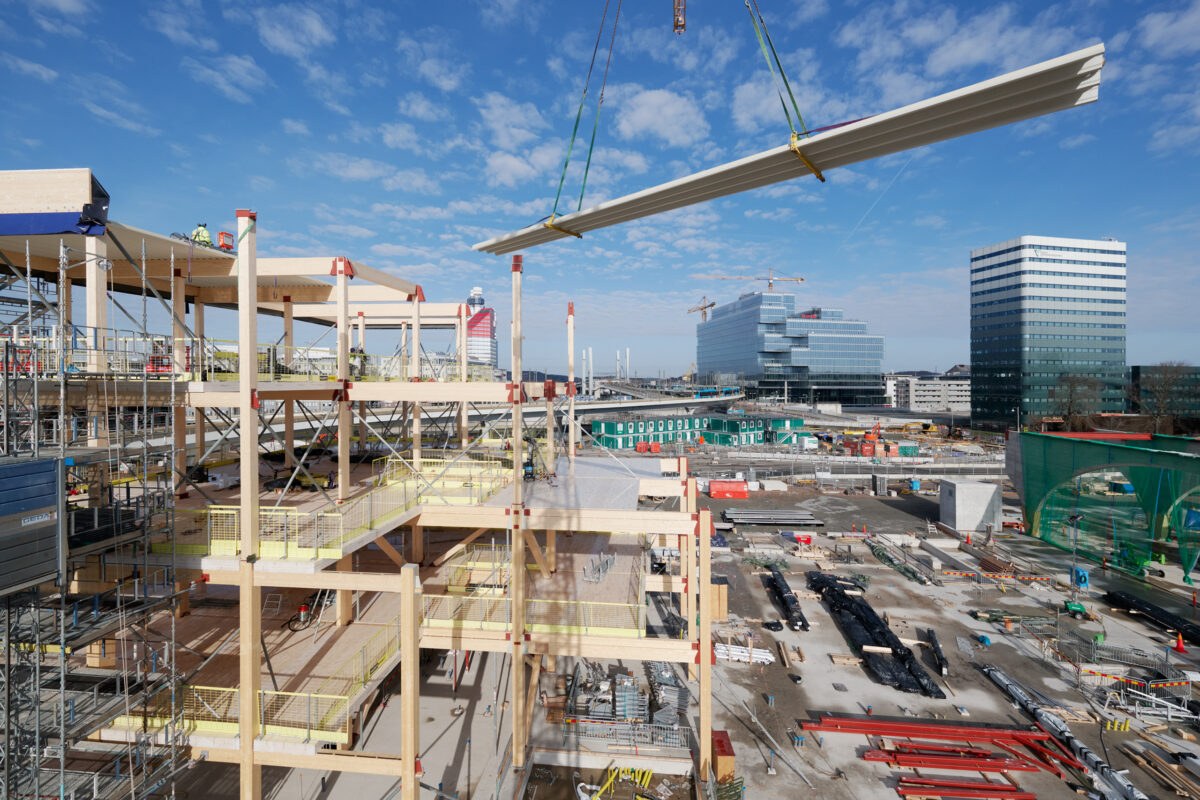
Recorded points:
(762, 33)
(579, 114)
(595, 124)
(794, 144)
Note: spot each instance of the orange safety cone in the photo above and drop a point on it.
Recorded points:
(1179, 643)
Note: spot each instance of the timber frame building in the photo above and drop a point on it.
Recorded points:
(190, 447)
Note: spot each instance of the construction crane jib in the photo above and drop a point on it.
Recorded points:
(705, 305)
(770, 278)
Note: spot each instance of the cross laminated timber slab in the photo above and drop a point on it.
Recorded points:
(1055, 85)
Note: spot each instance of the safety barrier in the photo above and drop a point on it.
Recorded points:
(311, 716)
(585, 617)
(287, 532)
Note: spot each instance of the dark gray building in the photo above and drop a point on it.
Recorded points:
(1047, 329)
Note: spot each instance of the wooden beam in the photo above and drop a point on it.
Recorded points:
(531, 540)
(535, 674)
(362, 763)
(661, 487)
(333, 581)
(391, 552)
(458, 548)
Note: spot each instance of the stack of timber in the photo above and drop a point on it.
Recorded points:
(883, 654)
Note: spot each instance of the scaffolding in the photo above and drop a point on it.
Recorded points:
(94, 640)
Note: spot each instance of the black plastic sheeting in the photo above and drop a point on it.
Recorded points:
(862, 626)
(796, 619)
(1158, 615)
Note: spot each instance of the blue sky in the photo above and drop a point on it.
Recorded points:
(401, 133)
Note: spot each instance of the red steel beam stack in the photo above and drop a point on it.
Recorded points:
(955, 746)
(945, 787)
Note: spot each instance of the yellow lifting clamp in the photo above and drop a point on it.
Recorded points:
(550, 224)
(795, 147)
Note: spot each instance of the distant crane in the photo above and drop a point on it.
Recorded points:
(770, 278)
(679, 21)
(705, 305)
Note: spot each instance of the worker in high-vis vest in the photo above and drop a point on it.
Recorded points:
(200, 235)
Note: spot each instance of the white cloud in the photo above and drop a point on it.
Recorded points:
(180, 21)
(295, 127)
(120, 120)
(433, 59)
(994, 37)
(1071, 142)
(401, 136)
(236, 77)
(261, 183)
(806, 11)
(490, 204)
(410, 212)
(901, 88)
(293, 30)
(614, 158)
(66, 7)
(30, 68)
(418, 106)
(349, 231)
(707, 49)
(1183, 127)
(511, 124)
(412, 180)
(673, 118)
(930, 221)
(506, 169)
(346, 167)
(1172, 33)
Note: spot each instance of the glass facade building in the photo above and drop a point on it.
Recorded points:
(1045, 309)
(760, 341)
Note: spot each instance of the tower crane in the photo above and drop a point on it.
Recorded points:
(679, 14)
(705, 305)
(770, 278)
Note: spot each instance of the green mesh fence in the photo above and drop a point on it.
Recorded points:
(1112, 502)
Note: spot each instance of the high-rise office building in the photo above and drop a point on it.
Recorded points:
(481, 330)
(760, 341)
(1047, 329)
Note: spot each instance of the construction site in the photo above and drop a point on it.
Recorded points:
(244, 568)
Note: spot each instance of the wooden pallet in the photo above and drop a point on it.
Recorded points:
(845, 659)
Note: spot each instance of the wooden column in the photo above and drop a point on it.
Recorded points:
(552, 550)
(96, 303)
(410, 673)
(517, 571)
(289, 406)
(415, 361)
(704, 534)
(249, 605)
(342, 268)
(463, 423)
(417, 546)
(691, 585)
(179, 349)
(572, 436)
(201, 428)
(344, 599)
(362, 360)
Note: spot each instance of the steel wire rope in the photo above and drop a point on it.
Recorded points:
(600, 103)
(579, 113)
